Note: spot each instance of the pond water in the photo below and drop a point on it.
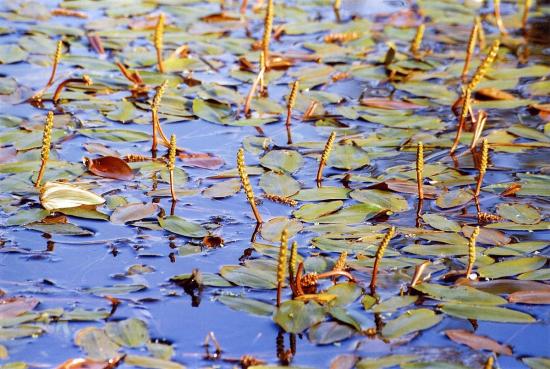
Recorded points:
(79, 282)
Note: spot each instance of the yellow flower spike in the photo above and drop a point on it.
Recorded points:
(246, 184)
(56, 59)
(172, 165)
(417, 40)
(340, 264)
(282, 264)
(268, 28)
(525, 16)
(293, 262)
(472, 251)
(280, 199)
(480, 33)
(380, 254)
(289, 106)
(45, 152)
(420, 169)
(466, 106)
(470, 50)
(158, 38)
(498, 18)
(484, 65)
(325, 155)
(155, 117)
(482, 165)
(84, 79)
(489, 363)
(336, 5)
(262, 73)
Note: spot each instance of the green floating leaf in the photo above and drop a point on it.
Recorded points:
(279, 184)
(178, 225)
(440, 222)
(96, 343)
(352, 214)
(345, 293)
(537, 362)
(20, 331)
(459, 294)
(272, 229)
(484, 312)
(385, 361)
(393, 304)
(116, 135)
(129, 333)
(296, 316)
(255, 274)
(288, 161)
(348, 157)
(223, 189)
(27, 216)
(329, 332)
(410, 321)
(310, 212)
(250, 306)
(512, 267)
(519, 213)
(454, 198)
(151, 362)
(322, 194)
(384, 199)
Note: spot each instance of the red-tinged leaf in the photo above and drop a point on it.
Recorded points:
(7, 154)
(477, 342)
(530, 297)
(89, 364)
(15, 306)
(109, 167)
(379, 103)
(220, 17)
(201, 160)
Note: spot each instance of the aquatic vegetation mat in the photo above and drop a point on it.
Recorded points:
(264, 184)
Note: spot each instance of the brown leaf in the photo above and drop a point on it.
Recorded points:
(15, 306)
(130, 212)
(511, 190)
(211, 241)
(201, 160)
(493, 94)
(109, 167)
(509, 286)
(477, 342)
(375, 102)
(530, 297)
(219, 17)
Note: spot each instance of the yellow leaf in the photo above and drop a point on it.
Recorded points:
(55, 195)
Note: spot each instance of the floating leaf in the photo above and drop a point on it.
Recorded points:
(110, 167)
(223, 189)
(15, 306)
(128, 332)
(297, 316)
(131, 212)
(96, 343)
(272, 229)
(440, 222)
(279, 184)
(329, 332)
(511, 267)
(485, 312)
(151, 362)
(288, 161)
(477, 342)
(519, 213)
(530, 297)
(178, 225)
(56, 195)
(384, 199)
(410, 321)
(250, 306)
(310, 212)
(393, 304)
(459, 294)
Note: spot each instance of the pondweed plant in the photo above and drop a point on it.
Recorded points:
(466, 108)
(470, 50)
(336, 5)
(525, 15)
(293, 261)
(417, 40)
(498, 17)
(172, 165)
(472, 251)
(259, 81)
(157, 130)
(158, 38)
(282, 264)
(480, 33)
(241, 166)
(84, 79)
(481, 119)
(420, 170)
(484, 65)
(56, 58)
(289, 107)
(482, 166)
(324, 157)
(268, 28)
(45, 151)
(379, 255)
(280, 199)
